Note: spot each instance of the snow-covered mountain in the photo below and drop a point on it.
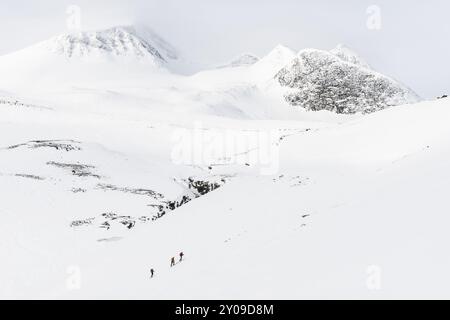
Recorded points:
(245, 59)
(256, 72)
(347, 54)
(114, 42)
(270, 64)
(117, 53)
(341, 82)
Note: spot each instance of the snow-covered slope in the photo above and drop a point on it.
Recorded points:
(110, 165)
(88, 199)
(338, 81)
(270, 64)
(258, 71)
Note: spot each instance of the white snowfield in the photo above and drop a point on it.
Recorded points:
(110, 167)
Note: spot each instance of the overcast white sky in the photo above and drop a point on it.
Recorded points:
(412, 45)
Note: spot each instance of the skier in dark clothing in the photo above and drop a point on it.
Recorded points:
(181, 256)
(152, 272)
(172, 262)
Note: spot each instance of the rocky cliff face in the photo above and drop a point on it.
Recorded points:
(341, 82)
